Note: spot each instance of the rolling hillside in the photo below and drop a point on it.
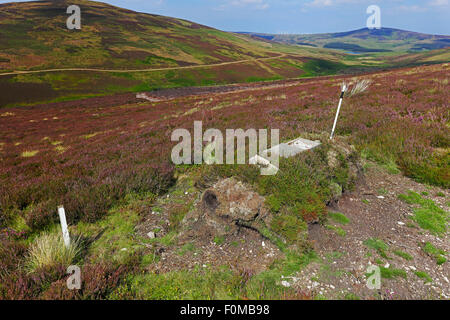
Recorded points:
(119, 50)
(34, 35)
(365, 40)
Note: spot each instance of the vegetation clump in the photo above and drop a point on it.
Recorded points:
(428, 215)
(49, 250)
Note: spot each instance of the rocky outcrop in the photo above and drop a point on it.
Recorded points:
(225, 208)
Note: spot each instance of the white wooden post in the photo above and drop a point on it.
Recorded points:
(65, 230)
(344, 89)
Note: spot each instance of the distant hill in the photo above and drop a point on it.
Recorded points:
(34, 35)
(119, 50)
(364, 40)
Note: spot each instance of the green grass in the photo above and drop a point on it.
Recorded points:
(188, 247)
(423, 275)
(341, 232)
(115, 234)
(320, 67)
(214, 283)
(391, 273)
(438, 254)
(288, 226)
(177, 214)
(149, 259)
(339, 217)
(219, 240)
(428, 215)
(378, 245)
(402, 254)
(351, 296)
(332, 256)
(185, 285)
(391, 167)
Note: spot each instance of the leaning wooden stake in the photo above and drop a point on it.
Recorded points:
(344, 89)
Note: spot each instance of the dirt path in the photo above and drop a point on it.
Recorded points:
(376, 212)
(144, 70)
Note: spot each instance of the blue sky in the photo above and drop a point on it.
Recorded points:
(300, 16)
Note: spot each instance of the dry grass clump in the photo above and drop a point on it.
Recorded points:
(360, 87)
(48, 250)
(29, 154)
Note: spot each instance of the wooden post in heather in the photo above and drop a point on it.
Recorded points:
(343, 90)
(65, 230)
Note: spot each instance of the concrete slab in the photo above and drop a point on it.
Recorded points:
(291, 148)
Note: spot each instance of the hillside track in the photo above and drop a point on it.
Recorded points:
(144, 70)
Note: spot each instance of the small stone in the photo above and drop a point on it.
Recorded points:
(380, 197)
(401, 223)
(263, 244)
(285, 284)
(387, 265)
(412, 268)
(124, 249)
(151, 235)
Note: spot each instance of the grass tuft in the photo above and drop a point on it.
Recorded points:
(429, 216)
(48, 250)
(423, 275)
(437, 254)
(339, 217)
(379, 245)
(403, 254)
(29, 154)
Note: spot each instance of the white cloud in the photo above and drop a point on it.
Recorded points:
(256, 4)
(329, 3)
(413, 8)
(439, 3)
(321, 3)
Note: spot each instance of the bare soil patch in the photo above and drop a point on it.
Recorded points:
(376, 212)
